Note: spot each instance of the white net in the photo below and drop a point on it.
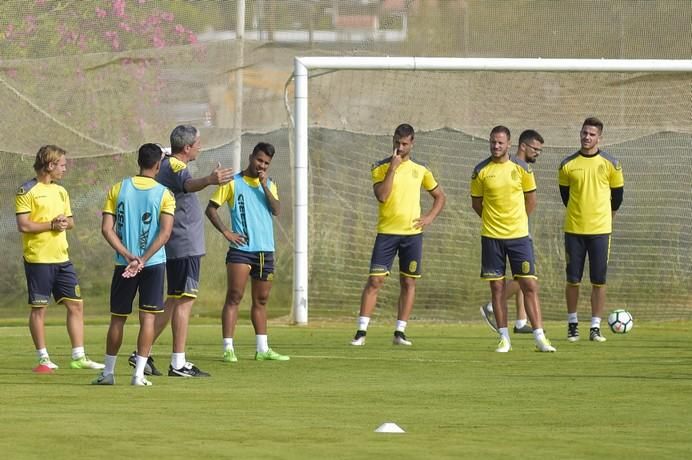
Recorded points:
(650, 255)
(101, 77)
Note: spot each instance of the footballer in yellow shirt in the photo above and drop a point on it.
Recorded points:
(43, 214)
(591, 187)
(397, 182)
(503, 194)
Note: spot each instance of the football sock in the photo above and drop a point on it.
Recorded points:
(141, 362)
(42, 353)
(177, 360)
(363, 322)
(504, 332)
(109, 361)
(520, 323)
(227, 343)
(595, 321)
(77, 352)
(400, 326)
(538, 334)
(572, 318)
(262, 343)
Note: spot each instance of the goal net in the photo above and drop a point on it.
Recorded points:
(352, 115)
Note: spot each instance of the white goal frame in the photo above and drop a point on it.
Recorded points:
(302, 66)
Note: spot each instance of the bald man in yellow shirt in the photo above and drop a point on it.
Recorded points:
(503, 194)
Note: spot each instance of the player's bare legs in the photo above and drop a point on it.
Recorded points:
(498, 299)
(237, 276)
(180, 318)
(36, 326)
(258, 311)
(114, 338)
(407, 296)
(598, 297)
(368, 299)
(75, 321)
(145, 338)
(529, 287)
(162, 319)
(572, 297)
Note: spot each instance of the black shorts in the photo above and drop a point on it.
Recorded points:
(149, 284)
(42, 280)
(576, 249)
(261, 263)
(494, 255)
(182, 275)
(408, 247)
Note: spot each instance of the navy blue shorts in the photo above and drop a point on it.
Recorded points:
(494, 255)
(261, 263)
(182, 276)
(149, 284)
(576, 249)
(408, 247)
(42, 280)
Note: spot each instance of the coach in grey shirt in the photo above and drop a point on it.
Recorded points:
(185, 247)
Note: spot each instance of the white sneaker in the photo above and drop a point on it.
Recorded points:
(595, 335)
(48, 363)
(140, 381)
(85, 363)
(543, 345)
(504, 346)
(359, 339)
(104, 379)
(489, 316)
(400, 339)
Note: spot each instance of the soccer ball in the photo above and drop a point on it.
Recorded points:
(620, 321)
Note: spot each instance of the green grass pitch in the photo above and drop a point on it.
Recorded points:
(455, 398)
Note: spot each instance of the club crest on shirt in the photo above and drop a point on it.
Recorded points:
(515, 175)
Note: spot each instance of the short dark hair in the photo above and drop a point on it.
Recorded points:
(595, 122)
(265, 147)
(404, 130)
(530, 135)
(149, 155)
(501, 129)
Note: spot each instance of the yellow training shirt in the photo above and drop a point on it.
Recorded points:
(43, 203)
(590, 179)
(502, 187)
(402, 207)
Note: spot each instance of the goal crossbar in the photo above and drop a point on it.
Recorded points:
(302, 66)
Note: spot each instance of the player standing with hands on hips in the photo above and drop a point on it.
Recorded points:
(253, 201)
(591, 187)
(397, 181)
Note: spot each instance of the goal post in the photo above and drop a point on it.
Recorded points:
(303, 66)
